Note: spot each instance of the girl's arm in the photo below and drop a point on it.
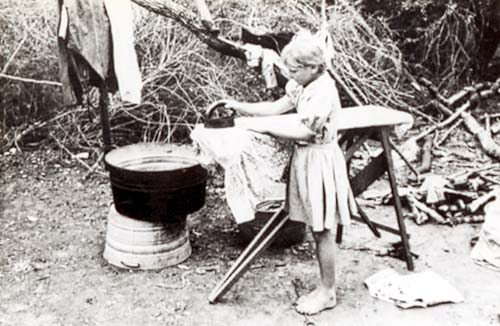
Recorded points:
(261, 108)
(286, 126)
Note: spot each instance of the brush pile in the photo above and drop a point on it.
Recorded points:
(182, 76)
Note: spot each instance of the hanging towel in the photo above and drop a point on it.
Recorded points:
(124, 57)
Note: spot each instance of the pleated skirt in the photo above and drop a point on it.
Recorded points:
(318, 192)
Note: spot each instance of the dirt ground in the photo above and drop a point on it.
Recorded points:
(52, 235)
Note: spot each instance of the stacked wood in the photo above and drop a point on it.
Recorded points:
(461, 199)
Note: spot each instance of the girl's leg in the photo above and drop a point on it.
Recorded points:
(323, 297)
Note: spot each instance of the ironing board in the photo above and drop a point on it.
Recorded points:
(357, 125)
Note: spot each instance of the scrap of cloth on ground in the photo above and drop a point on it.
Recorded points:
(486, 252)
(253, 164)
(95, 42)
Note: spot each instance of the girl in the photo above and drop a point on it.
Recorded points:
(318, 189)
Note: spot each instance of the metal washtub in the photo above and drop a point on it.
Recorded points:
(156, 182)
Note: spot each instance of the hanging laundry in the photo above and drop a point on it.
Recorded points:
(271, 61)
(125, 59)
(86, 43)
(85, 49)
(268, 60)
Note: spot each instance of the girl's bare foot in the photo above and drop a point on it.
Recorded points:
(318, 300)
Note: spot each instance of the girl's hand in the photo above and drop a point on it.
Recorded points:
(232, 104)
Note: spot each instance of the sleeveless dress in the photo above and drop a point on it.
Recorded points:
(318, 188)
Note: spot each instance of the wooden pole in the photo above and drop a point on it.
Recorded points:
(384, 135)
(261, 241)
(105, 125)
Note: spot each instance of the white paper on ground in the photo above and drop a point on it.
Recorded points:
(421, 289)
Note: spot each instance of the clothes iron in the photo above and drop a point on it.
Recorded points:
(213, 121)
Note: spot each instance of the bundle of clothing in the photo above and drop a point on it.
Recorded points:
(254, 166)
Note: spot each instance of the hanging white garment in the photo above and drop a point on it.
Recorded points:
(126, 66)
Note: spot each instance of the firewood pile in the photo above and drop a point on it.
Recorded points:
(456, 199)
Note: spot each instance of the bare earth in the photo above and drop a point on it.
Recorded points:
(52, 232)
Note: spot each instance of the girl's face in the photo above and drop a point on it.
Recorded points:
(303, 75)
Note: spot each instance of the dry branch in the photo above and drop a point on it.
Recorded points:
(187, 19)
(444, 123)
(73, 156)
(94, 166)
(475, 94)
(29, 80)
(467, 174)
(487, 143)
(481, 201)
(425, 209)
(448, 132)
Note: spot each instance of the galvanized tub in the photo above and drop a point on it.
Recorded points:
(142, 245)
(156, 182)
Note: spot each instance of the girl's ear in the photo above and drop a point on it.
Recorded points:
(320, 68)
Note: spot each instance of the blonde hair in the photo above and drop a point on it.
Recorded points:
(305, 49)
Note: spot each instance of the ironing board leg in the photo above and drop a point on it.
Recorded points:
(367, 221)
(384, 135)
(340, 230)
(259, 243)
(363, 218)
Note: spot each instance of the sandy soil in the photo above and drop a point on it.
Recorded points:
(52, 234)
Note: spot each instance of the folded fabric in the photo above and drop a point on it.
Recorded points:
(422, 289)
